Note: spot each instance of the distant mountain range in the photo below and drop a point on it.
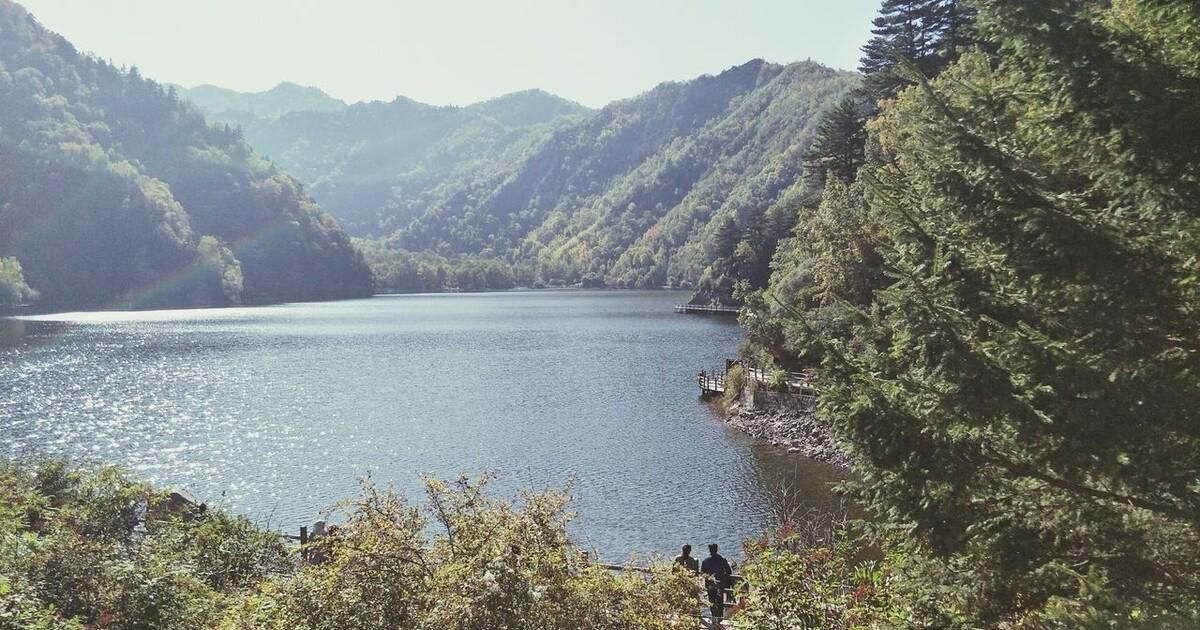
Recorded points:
(115, 193)
(632, 194)
(228, 106)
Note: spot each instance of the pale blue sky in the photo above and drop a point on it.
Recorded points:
(456, 51)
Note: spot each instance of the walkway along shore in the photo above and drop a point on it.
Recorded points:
(786, 419)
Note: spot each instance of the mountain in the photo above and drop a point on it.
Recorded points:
(113, 192)
(228, 106)
(689, 184)
(526, 108)
(648, 191)
(376, 165)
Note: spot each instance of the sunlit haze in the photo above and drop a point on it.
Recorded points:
(456, 52)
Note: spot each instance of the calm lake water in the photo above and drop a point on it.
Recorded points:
(276, 412)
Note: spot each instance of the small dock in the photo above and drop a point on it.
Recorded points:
(708, 309)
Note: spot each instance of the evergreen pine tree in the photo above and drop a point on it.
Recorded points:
(839, 147)
(725, 240)
(929, 34)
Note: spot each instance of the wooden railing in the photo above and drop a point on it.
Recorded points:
(708, 308)
(799, 383)
(711, 384)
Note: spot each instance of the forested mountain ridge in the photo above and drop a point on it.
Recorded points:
(376, 165)
(114, 192)
(636, 193)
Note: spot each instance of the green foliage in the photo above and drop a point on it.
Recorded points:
(91, 547)
(13, 289)
(634, 193)
(377, 165)
(797, 578)
(735, 381)
(778, 380)
(400, 271)
(840, 147)
(827, 269)
(491, 564)
(1017, 379)
(628, 196)
(115, 193)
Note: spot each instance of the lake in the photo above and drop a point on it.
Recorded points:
(276, 412)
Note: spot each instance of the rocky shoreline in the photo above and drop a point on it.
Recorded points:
(796, 429)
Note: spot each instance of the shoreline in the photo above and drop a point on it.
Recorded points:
(36, 310)
(797, 430)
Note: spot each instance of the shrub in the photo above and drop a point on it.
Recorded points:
(793, 579)
(735, 380)
(74, 553)
(491, 564)
(778, 380)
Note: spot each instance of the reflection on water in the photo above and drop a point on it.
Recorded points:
(12, 331)
(277, 411)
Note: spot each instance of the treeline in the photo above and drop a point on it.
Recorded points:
(999, 285)
(113, 192)
(401, 271)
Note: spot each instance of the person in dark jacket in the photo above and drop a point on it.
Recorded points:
(719, 577)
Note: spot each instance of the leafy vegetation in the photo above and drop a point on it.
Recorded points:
(114, 192)
(914, 36)
(93, 548)
(13, 289)
(398, 271)
(1003, 305)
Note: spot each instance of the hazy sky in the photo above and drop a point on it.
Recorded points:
(456, 51)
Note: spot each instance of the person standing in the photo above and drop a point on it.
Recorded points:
(719, 577)
(685, 560)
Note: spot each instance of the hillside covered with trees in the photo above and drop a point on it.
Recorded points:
(686, 184)
(649, 191)
(377, 165)
(114, 192)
